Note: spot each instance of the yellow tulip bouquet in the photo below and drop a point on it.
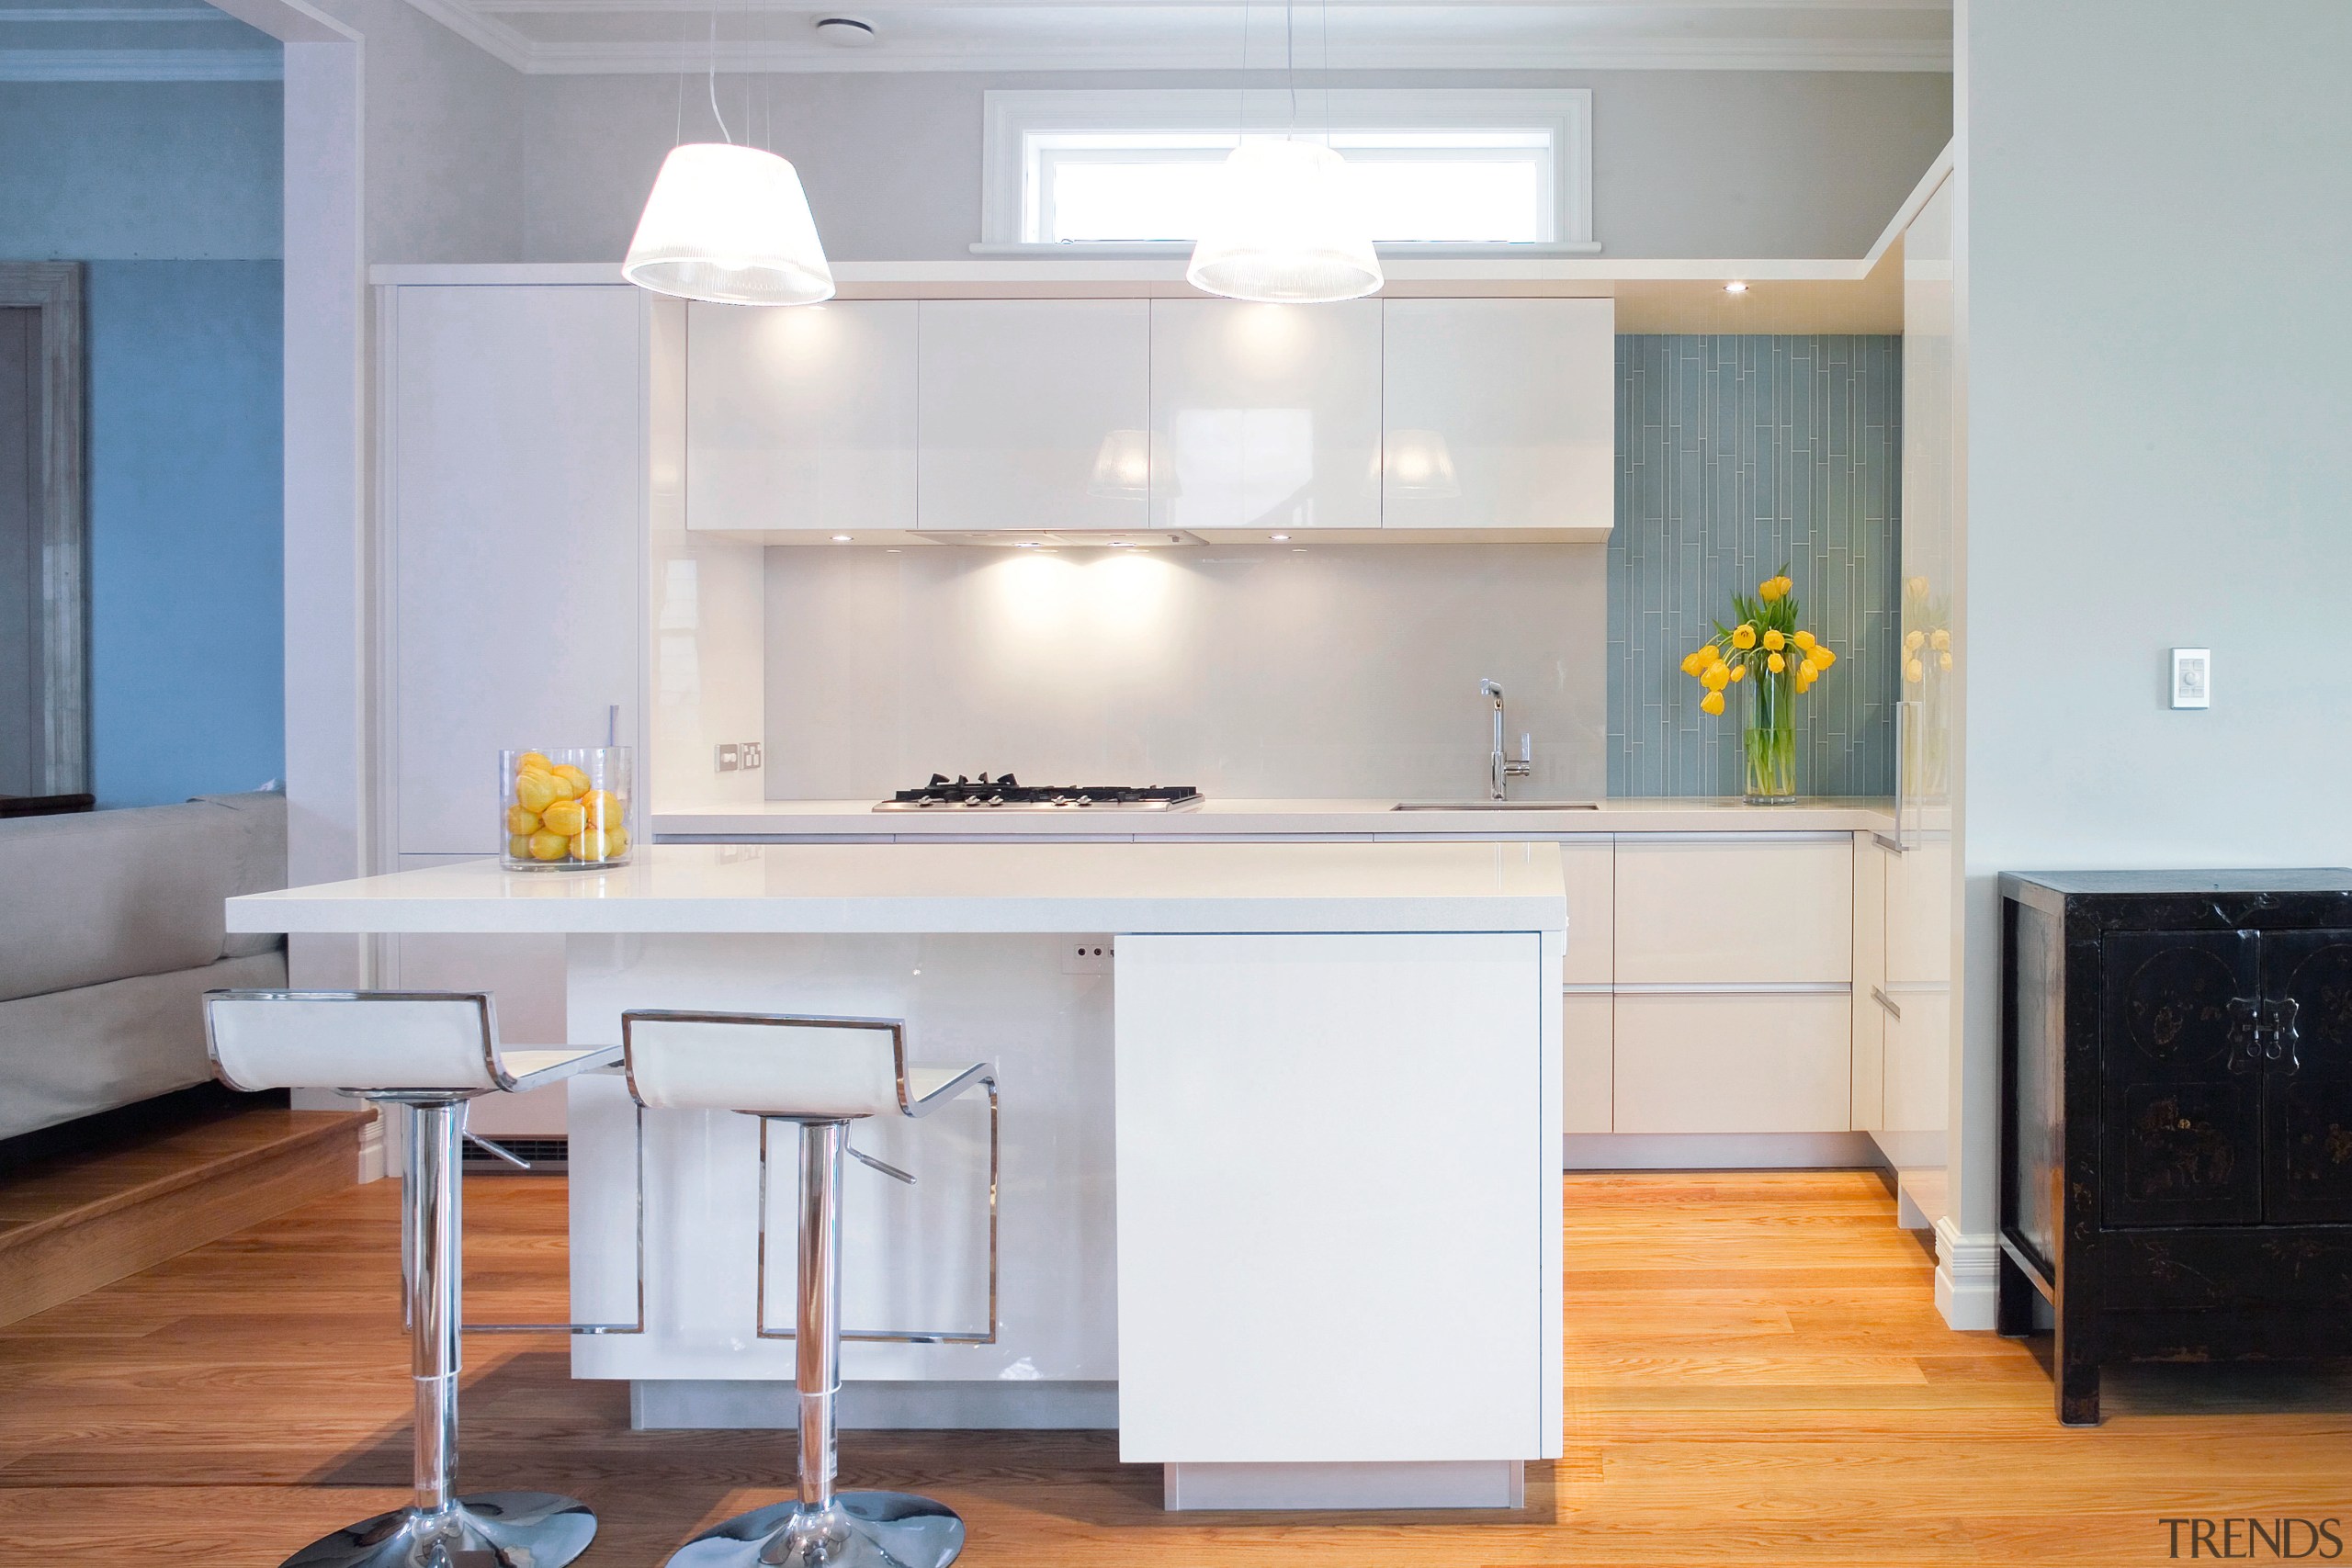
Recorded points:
(1765, 650)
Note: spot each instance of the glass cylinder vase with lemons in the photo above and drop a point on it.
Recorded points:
(564, 807)
(1765, 650)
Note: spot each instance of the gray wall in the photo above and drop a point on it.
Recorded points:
(2157, 324)
(1737, 454)
(1685, 162)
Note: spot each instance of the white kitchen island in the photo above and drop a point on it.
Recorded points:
(1278, 1190)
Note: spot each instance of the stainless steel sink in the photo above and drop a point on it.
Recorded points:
(1495, 805)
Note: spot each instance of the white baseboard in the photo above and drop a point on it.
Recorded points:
(1967, 1276)
(1718, 1151)
(874, 1404)
(371, 1151)
(1473, 1483)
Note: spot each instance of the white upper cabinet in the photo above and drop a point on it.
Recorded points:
(1034, 414)
(514, 437)
(1499, 414)
(801, 419)
(1265, 417)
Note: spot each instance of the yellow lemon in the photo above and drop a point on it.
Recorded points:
(593, 844)
(575, 782)
(1913, 672)
(536, 792)
(545, 845)
(565, 817)
(615, 843)
(1738, 672)
(1713, 703)
(1803, 640)
(604, 808)
(1743, 636)
(1775, 641)
(1776, 664)
(532, 762)
(520, 820)
(1940, 640)
(518, 846)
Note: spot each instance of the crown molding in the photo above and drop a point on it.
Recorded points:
(483, 26)
(142, 65)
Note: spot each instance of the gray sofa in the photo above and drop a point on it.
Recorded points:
(111, 931)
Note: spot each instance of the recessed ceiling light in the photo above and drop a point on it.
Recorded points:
(846, 32)
(1281, 538)
(1735, 287)
(841, 538)
(1118, 544)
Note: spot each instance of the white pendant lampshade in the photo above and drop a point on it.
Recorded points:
(1284, 228)
(732, 225)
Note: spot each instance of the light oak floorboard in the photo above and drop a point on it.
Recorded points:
(1756, 1374)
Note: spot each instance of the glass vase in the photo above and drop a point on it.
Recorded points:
(564, 807)
(1770, 739)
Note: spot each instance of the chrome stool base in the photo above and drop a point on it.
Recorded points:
(860, 1529)
(489, 1530)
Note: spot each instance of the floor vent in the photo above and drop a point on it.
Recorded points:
(540, 1156)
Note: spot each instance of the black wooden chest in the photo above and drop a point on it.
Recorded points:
(2177, 1116)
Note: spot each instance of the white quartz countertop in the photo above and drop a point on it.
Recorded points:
(1112, 888)
(1361, 820)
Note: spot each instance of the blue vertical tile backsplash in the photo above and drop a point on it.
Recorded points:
(1736, 454)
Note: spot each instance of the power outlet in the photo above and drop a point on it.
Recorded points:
(729, 756)
(1087, 954)
(752, 754)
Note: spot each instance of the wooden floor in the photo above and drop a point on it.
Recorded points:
(1756, 1375)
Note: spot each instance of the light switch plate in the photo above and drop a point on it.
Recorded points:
(2192, 677)
(728, 758)
(752, 751)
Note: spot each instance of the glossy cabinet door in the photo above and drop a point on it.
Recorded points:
(1721, 908)
(1033, 414)
(801, 419)
(1499, 414)
(513, 445)
(1733, 1062)
(1265, 417)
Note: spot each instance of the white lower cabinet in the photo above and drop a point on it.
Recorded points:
(1734, 1062)
(1317, 1133)
(1589, 1047)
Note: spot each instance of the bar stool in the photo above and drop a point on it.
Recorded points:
(823, 1073)
(431, 1052)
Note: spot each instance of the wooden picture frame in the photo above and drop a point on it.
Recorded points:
(61, 764)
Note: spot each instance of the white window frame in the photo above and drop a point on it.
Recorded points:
(1011, 118)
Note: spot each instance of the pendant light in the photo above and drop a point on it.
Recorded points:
(1283, 227)
(728, 224)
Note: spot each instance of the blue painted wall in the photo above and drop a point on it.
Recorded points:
(186, 523)
(1736, 453)
(170, 191)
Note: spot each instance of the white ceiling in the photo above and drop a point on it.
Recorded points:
(566, 35)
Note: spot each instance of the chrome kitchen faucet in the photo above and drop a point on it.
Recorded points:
(1500, 768)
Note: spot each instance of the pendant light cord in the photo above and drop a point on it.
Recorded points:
(714, 81)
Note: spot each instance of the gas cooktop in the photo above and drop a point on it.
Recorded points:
(1009, 794)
